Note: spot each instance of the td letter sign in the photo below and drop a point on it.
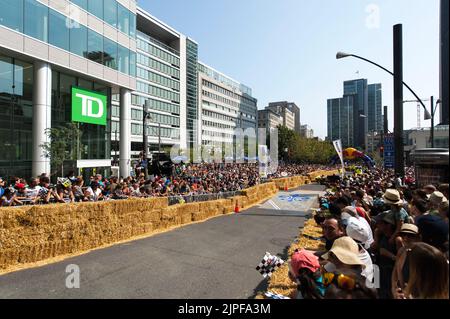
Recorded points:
(88, 107)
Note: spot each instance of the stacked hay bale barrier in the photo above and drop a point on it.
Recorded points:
(280, 282)
(35, 233)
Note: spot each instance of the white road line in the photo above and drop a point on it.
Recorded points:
(274, 205)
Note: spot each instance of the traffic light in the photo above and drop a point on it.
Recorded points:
(381, 151)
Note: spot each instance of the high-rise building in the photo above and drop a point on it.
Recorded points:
(375, 115)
(162, 81)
(444, 62)
(224, 105)
(269, 119)
(97, 63)
(340, 119)
(359, 89)
(290, 112)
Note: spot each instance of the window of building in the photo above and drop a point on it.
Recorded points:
(110, 12)
(78, 40)
(59, 32)
(132, 25)
(36, 20)
(95, 7)
(11, 14)
(81, 3)
(95, 47)
(132, 63)
(124, 60)
(123, 19)
(110, 53)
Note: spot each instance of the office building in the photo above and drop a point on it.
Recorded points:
(224, 105)
(47, 48)
(96, 63)
(164, 79)
(340, 119)
(375, 103)
(269, 119)
(359, 90)
(306, 131)
(290, 113)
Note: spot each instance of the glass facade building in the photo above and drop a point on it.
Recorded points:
(192, 94)
(359, 89)
(112, 47)
(16, 116)
(43, 23)
(375, 115)
(46, 49)
(340, 114)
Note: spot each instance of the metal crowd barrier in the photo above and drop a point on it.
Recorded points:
(173, 200)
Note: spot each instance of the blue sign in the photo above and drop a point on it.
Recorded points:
(389, 152)
(294, 198)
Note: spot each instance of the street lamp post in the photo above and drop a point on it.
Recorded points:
(145, 117)
(398, 95)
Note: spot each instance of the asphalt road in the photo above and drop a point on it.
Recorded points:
(215, 259)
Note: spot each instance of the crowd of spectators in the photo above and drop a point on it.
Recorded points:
(186, 180)
(383, 239)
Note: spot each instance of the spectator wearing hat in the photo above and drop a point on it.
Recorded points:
(392, 198)
(343, 258)
(428, 273)
(20, 191)
(429, 189)
(304, 269)
(362, 235)
(400, 275)
(436, 198)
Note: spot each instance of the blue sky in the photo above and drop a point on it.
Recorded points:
(285, 49)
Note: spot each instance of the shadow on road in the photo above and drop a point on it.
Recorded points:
(264, 284)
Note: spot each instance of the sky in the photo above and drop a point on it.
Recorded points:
(285, 50)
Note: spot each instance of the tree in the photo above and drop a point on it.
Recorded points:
(301, 149)
(65, 144)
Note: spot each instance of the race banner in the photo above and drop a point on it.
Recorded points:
(338, 147)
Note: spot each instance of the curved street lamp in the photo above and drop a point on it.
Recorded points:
(342, 55)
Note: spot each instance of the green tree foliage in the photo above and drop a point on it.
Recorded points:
(64, 145)
(303, 150)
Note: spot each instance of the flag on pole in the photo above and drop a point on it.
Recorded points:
(338, 147)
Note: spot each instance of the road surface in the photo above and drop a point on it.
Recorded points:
(215, 259)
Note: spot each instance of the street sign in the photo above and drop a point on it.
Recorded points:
(389, 152)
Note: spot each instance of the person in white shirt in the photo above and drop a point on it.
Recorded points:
(32, 191)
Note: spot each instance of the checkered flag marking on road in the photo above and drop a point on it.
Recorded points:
(269, 264)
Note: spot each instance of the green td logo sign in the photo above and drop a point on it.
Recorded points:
(88, 107)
